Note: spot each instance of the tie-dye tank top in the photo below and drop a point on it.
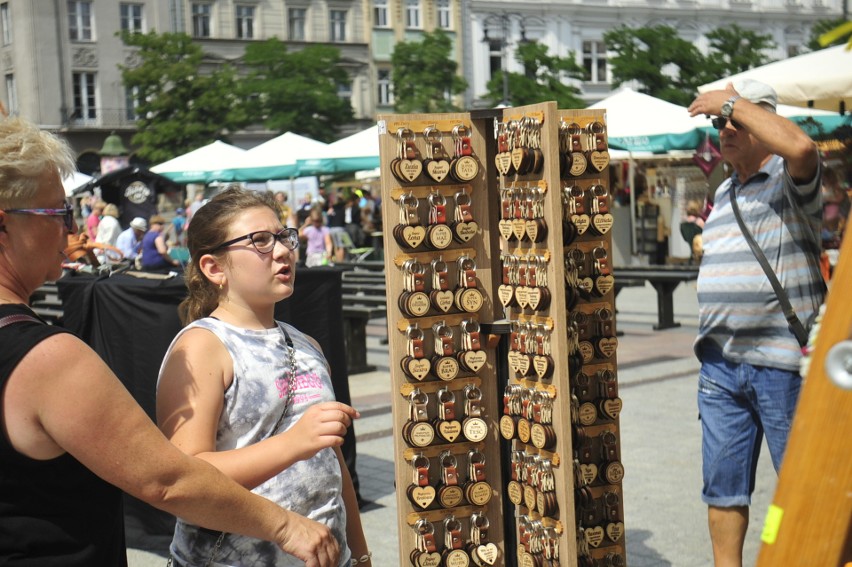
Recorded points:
(253, 403)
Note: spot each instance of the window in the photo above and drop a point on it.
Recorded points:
(385, 88)
(11, 95)
(5, 24)
(594, 61)
(445, 15)
(344, 91)
(201, 20)
(338, 25)
(80, 20)
(131, 18)
(296, 18)
(412, 14)
(131, 102)
(380, 13)
(495, 56)
(85, 106)
(245, 22)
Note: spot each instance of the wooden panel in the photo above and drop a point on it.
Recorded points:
(482, 249)
(809, 519)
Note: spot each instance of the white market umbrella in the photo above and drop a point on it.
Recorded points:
(74, 181)
(273, 159)
(195, 166)
(822, 79)
(641, 123)
(357, 152)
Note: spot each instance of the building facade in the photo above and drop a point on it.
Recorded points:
(578, 26)
(60, 58)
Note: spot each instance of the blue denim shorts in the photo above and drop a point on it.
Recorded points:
(738, 404)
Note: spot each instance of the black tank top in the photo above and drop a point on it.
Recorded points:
(54, 512)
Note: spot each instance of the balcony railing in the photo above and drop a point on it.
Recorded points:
(100, 118)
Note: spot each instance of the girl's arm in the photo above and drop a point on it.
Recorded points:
(190, 398)
(354, 531)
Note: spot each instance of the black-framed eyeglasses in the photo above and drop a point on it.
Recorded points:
(719, 123)
(66, 213)
(264, 241)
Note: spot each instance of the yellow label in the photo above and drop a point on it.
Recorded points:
(772, 524)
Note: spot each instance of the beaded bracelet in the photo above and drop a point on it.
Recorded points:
(363, 559)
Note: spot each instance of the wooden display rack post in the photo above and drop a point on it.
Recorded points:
(810, 519)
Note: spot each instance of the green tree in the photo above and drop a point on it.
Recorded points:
(424, 75)
(541, 80)
(734, 50)
(665, 65)
(827, 33)
(179, 107)
(296, 91)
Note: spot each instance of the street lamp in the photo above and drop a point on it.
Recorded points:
(503, 20)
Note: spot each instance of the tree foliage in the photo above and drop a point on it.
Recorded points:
(823, 27)
(665, 65)
(424, 75)
(734, 50)
(541, 80)
(179, 107)
(669, 67)
(296, 91)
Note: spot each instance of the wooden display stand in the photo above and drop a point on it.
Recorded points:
(810, 519)
(539, 197)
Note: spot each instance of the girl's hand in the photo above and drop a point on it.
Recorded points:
(322, 426)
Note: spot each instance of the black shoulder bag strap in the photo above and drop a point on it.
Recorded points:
(789, 313)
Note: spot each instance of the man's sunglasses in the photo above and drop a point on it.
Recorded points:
(719, 123)
(264, 241)
(66, 213)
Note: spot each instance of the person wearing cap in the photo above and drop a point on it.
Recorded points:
(130, 240)
(155, 253)
(749, 379)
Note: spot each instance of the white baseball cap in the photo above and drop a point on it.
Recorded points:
(757, 92)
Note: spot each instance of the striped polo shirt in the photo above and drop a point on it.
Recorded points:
(738, 309)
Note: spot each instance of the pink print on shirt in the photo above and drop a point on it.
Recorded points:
(309, 381)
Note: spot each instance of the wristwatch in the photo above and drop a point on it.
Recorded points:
(728, 106)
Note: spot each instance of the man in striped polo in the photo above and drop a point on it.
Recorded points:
(749, 380)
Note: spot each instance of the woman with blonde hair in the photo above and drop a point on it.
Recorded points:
(73, 437)
(109, 227)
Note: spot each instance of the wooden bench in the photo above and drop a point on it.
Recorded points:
(365, 288)
(46, 304)
(665, 280)
(364, 298)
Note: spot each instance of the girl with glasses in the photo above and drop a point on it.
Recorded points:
(74, 438)
(263, 408)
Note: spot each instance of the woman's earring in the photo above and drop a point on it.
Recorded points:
(221, 287)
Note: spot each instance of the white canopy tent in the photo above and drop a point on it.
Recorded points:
(273, 159)
(73, 181)
(357, 152)
(641, 123)
(193, 167)
(640, 126)
(822, 79)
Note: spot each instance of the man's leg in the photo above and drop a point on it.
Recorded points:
(727, 533)
(730, 441)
